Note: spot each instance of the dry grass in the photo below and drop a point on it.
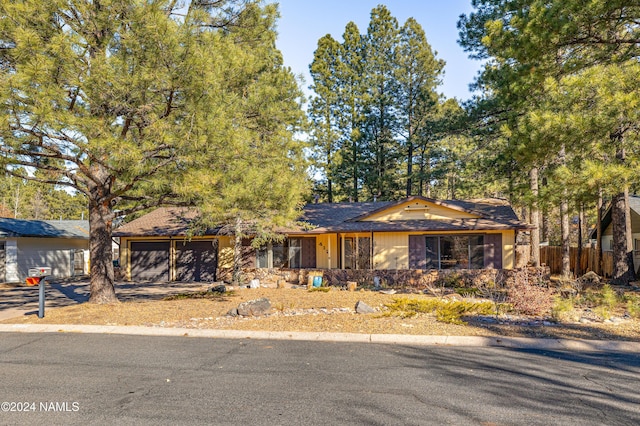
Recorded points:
(302, 310)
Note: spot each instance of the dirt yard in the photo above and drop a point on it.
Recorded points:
(297, 309)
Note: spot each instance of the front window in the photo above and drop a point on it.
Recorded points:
(292, 253)
(357, 252)
(455, 252)
(272, 256)
(295, 253)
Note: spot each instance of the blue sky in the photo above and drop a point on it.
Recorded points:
(303, 22)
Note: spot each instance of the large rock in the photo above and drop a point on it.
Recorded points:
(590, 280)
(220, 288)
(363, 308)
(254, 308)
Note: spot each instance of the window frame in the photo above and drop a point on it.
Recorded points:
(440, 248)
(360, 256)
(286, 249)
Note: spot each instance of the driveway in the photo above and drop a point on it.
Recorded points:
(23, 300)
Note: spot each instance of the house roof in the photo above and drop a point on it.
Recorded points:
(493, 214)
(634, 205)
(44, 228)
(490, 214)
(163, 221)
(453, 205)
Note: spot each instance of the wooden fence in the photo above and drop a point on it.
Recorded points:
(552, 257)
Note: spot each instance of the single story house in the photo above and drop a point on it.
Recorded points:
(413, 233)
(607, 230)
(62, 245)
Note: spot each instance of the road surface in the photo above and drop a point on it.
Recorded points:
(72, 378)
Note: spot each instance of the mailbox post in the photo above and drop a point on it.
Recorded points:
(38, 276)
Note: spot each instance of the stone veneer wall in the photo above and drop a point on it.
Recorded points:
(400, 278)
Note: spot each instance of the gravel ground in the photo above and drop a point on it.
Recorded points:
(297, 309)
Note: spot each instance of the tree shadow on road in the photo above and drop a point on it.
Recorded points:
(554, 386)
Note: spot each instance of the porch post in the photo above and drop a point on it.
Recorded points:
(341, 243)
(372, 253)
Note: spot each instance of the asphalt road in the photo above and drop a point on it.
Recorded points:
(141, 380)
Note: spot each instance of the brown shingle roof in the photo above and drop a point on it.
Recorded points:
(496, 214)
(343, 217)
(163, 221)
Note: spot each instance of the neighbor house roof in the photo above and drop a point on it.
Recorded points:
(44, 228)
(634, 206)
(491, 214)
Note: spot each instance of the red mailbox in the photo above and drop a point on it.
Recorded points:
(37, 277)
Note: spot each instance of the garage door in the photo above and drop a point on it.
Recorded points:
(150, 261)
(197, 260)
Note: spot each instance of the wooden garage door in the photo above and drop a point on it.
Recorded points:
(197, 260)
(150, 261)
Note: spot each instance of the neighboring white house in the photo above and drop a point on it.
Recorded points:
(62, 245)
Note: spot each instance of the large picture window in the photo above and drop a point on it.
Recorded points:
(294, 253)
(454, 252)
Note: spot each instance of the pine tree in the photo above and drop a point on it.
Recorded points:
(353, 98)
(375, 92)
(124, 101)
(418, 76)
(382, 109)
(324, 110)
(262, 174)
(535, 48)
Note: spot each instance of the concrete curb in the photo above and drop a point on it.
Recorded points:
(396, 339)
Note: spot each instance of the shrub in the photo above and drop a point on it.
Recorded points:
(320, 289)
(467, 291)
(529, 298)
(633, 307)
(495, 291)
(589, 299)
(606, 301)
(451, 280)
(608, 297)
(445, 311)
(562, 308)
(603, 312)
(205, 294)
(451, 314)
(413, 305)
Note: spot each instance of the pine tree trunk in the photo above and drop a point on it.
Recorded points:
(535, 218)
(598, 265)
(623, 272)
(101, 286)
(544, 220)
(409, 168)
(354, 189)
(329, 180)
(237, 253)
(545, 226)
(578, 269)
(421, 179)
(564, 225)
